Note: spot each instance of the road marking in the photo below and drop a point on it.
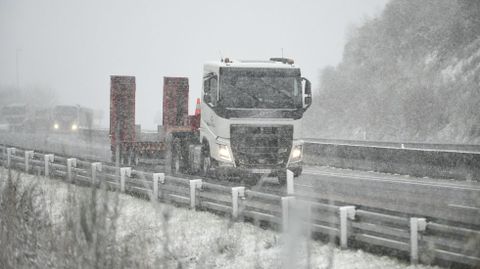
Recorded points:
(464, 207)
(404, 181)
(313, 172)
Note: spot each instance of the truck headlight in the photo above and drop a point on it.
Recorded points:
(296, 154)
(56, 126)
(74, 127)
(224, 152)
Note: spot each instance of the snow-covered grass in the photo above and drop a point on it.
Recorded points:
(48, 224)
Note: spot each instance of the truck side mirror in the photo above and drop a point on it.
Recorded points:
(210, 89)
(308, 101)
(307, 93)
(308, 87)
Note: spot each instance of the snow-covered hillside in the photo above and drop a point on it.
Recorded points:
(412, 74)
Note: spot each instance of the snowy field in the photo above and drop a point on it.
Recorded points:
(147, 234)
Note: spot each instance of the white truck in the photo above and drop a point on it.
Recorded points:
(251, 118)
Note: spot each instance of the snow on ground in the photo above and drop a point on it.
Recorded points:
(205, 240)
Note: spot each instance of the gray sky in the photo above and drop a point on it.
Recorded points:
(74, 46)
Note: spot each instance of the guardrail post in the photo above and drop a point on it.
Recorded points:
(124, 172)
(49, 158)
(237, 192)
(287, 203)
(10, 152)
(97, 166)
(346, 213)
(71, 162)
(28, 156)
(290, 190)
(157, 177)
(194, 185)
(416, 225)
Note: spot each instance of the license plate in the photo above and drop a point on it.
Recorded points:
(261, 171)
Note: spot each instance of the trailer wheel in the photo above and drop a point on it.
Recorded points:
(176, 157)
(136, 159)
(176, 165)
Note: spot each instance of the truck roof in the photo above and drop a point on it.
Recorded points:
(276, 63)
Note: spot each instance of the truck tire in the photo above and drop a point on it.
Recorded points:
(282, 177)
(297, 171)
(252, 179)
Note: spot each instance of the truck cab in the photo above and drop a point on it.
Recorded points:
(71, 118)
(251, 117)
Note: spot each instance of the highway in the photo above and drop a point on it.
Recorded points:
(448, 200)
(386, 203)
(434, 198)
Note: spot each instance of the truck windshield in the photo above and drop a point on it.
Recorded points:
(260, 88)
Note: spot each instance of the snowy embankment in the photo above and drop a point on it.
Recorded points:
(147, 234)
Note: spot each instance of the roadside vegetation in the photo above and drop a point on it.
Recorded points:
(50, 224)
(38, 233)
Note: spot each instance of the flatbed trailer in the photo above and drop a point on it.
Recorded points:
(250, 124)
(176, 121)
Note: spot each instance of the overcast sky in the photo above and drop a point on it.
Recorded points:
(73, 47)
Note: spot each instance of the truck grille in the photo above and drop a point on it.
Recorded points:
(261, 146)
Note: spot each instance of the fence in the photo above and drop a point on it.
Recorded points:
(416, 159)
(415, 162)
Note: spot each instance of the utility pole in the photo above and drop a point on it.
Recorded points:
(117, 134)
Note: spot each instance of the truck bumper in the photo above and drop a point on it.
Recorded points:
(296, 168)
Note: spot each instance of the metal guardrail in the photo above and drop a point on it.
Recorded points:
(408, 161)
(457, 161)
(451, 202)
(421, 240)
(66, 145)
(470, 148)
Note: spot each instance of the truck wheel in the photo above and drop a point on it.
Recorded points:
(282, 177)
(297, 171)
(251, 179)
